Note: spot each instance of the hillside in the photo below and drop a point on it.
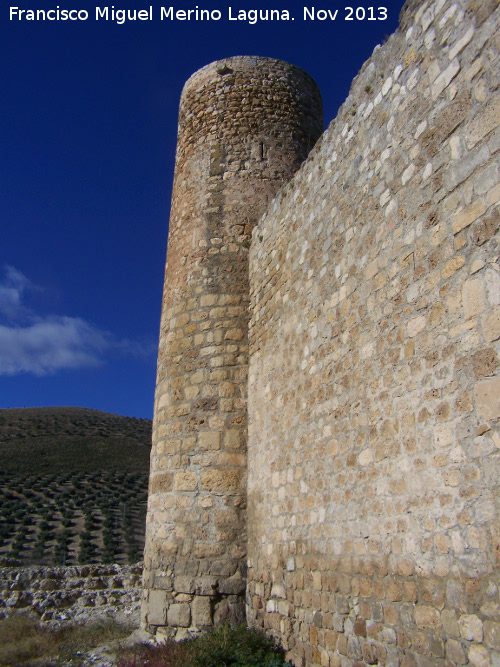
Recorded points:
(34, 440)
(73, 486)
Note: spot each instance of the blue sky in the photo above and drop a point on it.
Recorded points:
(89, 120)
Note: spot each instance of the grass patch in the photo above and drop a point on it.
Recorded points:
(26, 643)
(221, 647)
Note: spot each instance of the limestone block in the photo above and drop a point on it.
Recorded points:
(484, 363)
(455, 652)
(471, 627)
(221, 612)
(162, 582)
(233, 439)
(206, 585)
(209, 440)
(427, 617)
(479, 656)
(486, 120)
(202, 611)
(157, 607)
(185, 481)
(473, 297)
(487, 395)
(450, 623)
(492, 635)
(467, 216)
(161, 483)
(492, 284)
(179, 615)
(183, 584)
(232, 586)
(485, 228)
(220, 480)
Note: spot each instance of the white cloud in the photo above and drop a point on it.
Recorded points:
(45, 345)
(11, 293)
(49, 345)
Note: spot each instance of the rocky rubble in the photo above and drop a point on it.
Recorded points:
(73, 594)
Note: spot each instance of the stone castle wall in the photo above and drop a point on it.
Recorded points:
(374, 394)
(245, 126)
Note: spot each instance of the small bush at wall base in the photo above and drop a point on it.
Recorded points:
(223, 646)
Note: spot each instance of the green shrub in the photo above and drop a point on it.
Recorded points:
(222, 646)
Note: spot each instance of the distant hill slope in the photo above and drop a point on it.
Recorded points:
(37, 440)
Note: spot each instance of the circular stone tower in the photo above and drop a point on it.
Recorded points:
(245, 126)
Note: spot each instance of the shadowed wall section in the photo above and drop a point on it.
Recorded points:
(245, 126)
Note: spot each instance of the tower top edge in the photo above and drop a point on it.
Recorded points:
(225, 66)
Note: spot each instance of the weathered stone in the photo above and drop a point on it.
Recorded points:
(206, 585)
(183, 584)
(209, 440)
(185, 481)
(201, 608)
(491, 325)
(492, 635)
(220, 480)
(179, 615)
(450, 623)
(233, 586)
(455, 652)
(426, 617)
(484, 363)
(467, 216)
(473, 297)
(487, 395)
(471, 627)
(479, 656)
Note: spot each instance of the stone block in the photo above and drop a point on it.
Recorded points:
(471, 627)
(467, 216)
(479, 656)
(162, 582)
(179, 615)
(473, 297)
(485, 229)
(161, 483)
(157, 607)
(486, 120)
(220, 480)
(484, 363)
(456, 597)
(233, 439)
(492, 635)
(185, 481)
(426, 617)
(209, 440)
(450, 623)
(455, 652)
(491, 325)
(221, 612)
(183, 584)
(201, 608)
(233, 586)
(487, 395)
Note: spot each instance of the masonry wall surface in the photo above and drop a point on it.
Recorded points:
(245, 126)
(374, 394)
